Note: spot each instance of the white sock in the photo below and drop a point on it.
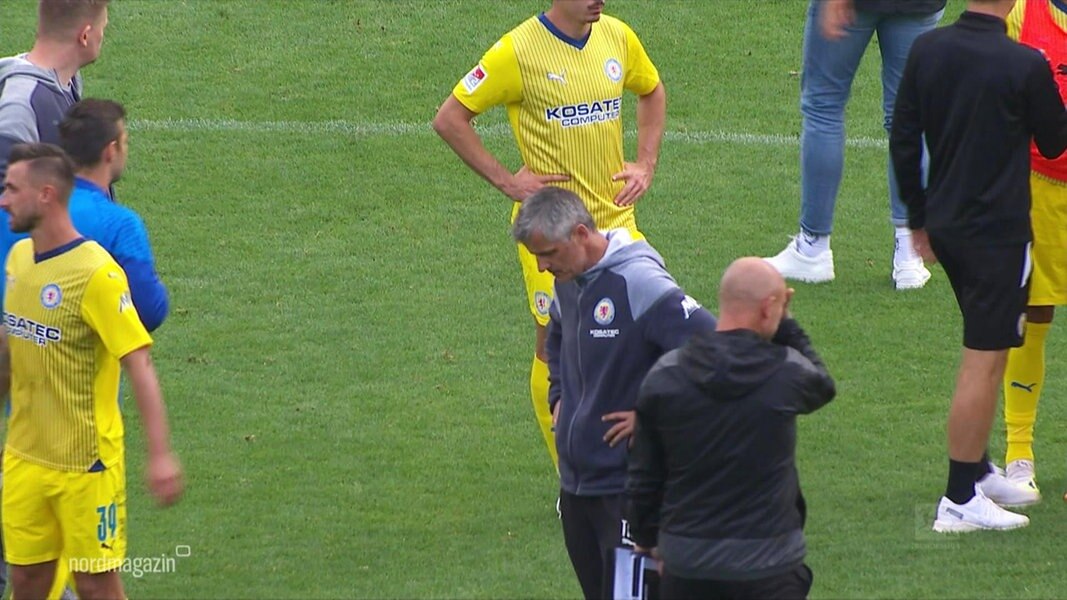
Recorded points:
(811, 244)
(904, 250)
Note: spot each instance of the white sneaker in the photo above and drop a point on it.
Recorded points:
(909, 273)
(1006, 492)
(811, 269)
(1021, 473)
(979, 513)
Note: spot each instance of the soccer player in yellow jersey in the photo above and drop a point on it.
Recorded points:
(1041, 24)
(561, 76)
(69, 324)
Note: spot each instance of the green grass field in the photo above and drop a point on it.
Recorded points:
(346, 360)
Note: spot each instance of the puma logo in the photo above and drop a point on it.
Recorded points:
(1029, 388)
(1062, 69)
(561, 77)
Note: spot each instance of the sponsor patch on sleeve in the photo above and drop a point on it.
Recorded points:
(474, 79)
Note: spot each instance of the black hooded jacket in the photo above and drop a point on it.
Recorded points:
(712, 473)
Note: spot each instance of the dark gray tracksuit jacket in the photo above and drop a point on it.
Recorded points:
(607, 328)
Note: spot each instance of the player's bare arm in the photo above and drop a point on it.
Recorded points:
(453, 124)
(163, 472)
(921, 242)
(5, 364)
(651, 119)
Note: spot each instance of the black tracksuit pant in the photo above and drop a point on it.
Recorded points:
(592, 529)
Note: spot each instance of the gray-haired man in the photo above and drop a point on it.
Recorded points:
(615, 311)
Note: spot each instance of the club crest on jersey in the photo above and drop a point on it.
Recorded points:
(613, 70)
(474, 79)
(541, 303)
(604, 313)
(51, 296)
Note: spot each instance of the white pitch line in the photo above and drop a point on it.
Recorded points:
(400, 129)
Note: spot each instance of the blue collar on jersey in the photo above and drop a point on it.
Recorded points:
(563, 37)
(1061, 4)
(85, 184)
(54, 252)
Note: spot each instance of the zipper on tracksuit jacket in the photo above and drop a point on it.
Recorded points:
(581, 380)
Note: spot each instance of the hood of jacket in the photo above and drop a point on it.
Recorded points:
(18, 66)
(730, 364)
(621, 249)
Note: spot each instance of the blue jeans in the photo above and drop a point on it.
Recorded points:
(825, 85)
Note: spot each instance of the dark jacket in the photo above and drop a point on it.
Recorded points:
(607, 328)
(977, 97)
(712, 474)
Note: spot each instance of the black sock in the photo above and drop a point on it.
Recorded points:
(961, 478)
(984, 468)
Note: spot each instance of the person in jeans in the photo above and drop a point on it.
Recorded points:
(836, 36)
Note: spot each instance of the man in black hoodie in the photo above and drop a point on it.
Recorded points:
(713, 484)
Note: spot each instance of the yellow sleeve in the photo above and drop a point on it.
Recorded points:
(108, 309)
(1015, 20)
(494, 80)
(1059, 14)
(641, 75)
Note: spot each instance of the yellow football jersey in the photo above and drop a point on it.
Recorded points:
(564, 101)
(69, 319)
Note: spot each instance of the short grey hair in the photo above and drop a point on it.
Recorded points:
(552, 211)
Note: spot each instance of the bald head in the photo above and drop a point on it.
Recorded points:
(752, 295)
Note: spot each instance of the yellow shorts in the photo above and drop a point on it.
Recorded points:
(1048, 215)
(48, 513)
(539, 284)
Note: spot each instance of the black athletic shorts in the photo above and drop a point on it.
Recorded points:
(992, 285)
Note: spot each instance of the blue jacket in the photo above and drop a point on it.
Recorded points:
(122, 233)
(608, 327)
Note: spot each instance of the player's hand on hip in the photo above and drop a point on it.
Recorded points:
(920, 241)
(525, 183)
(164, 474)
(638, 178)
(834, 18)
(623, 429)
